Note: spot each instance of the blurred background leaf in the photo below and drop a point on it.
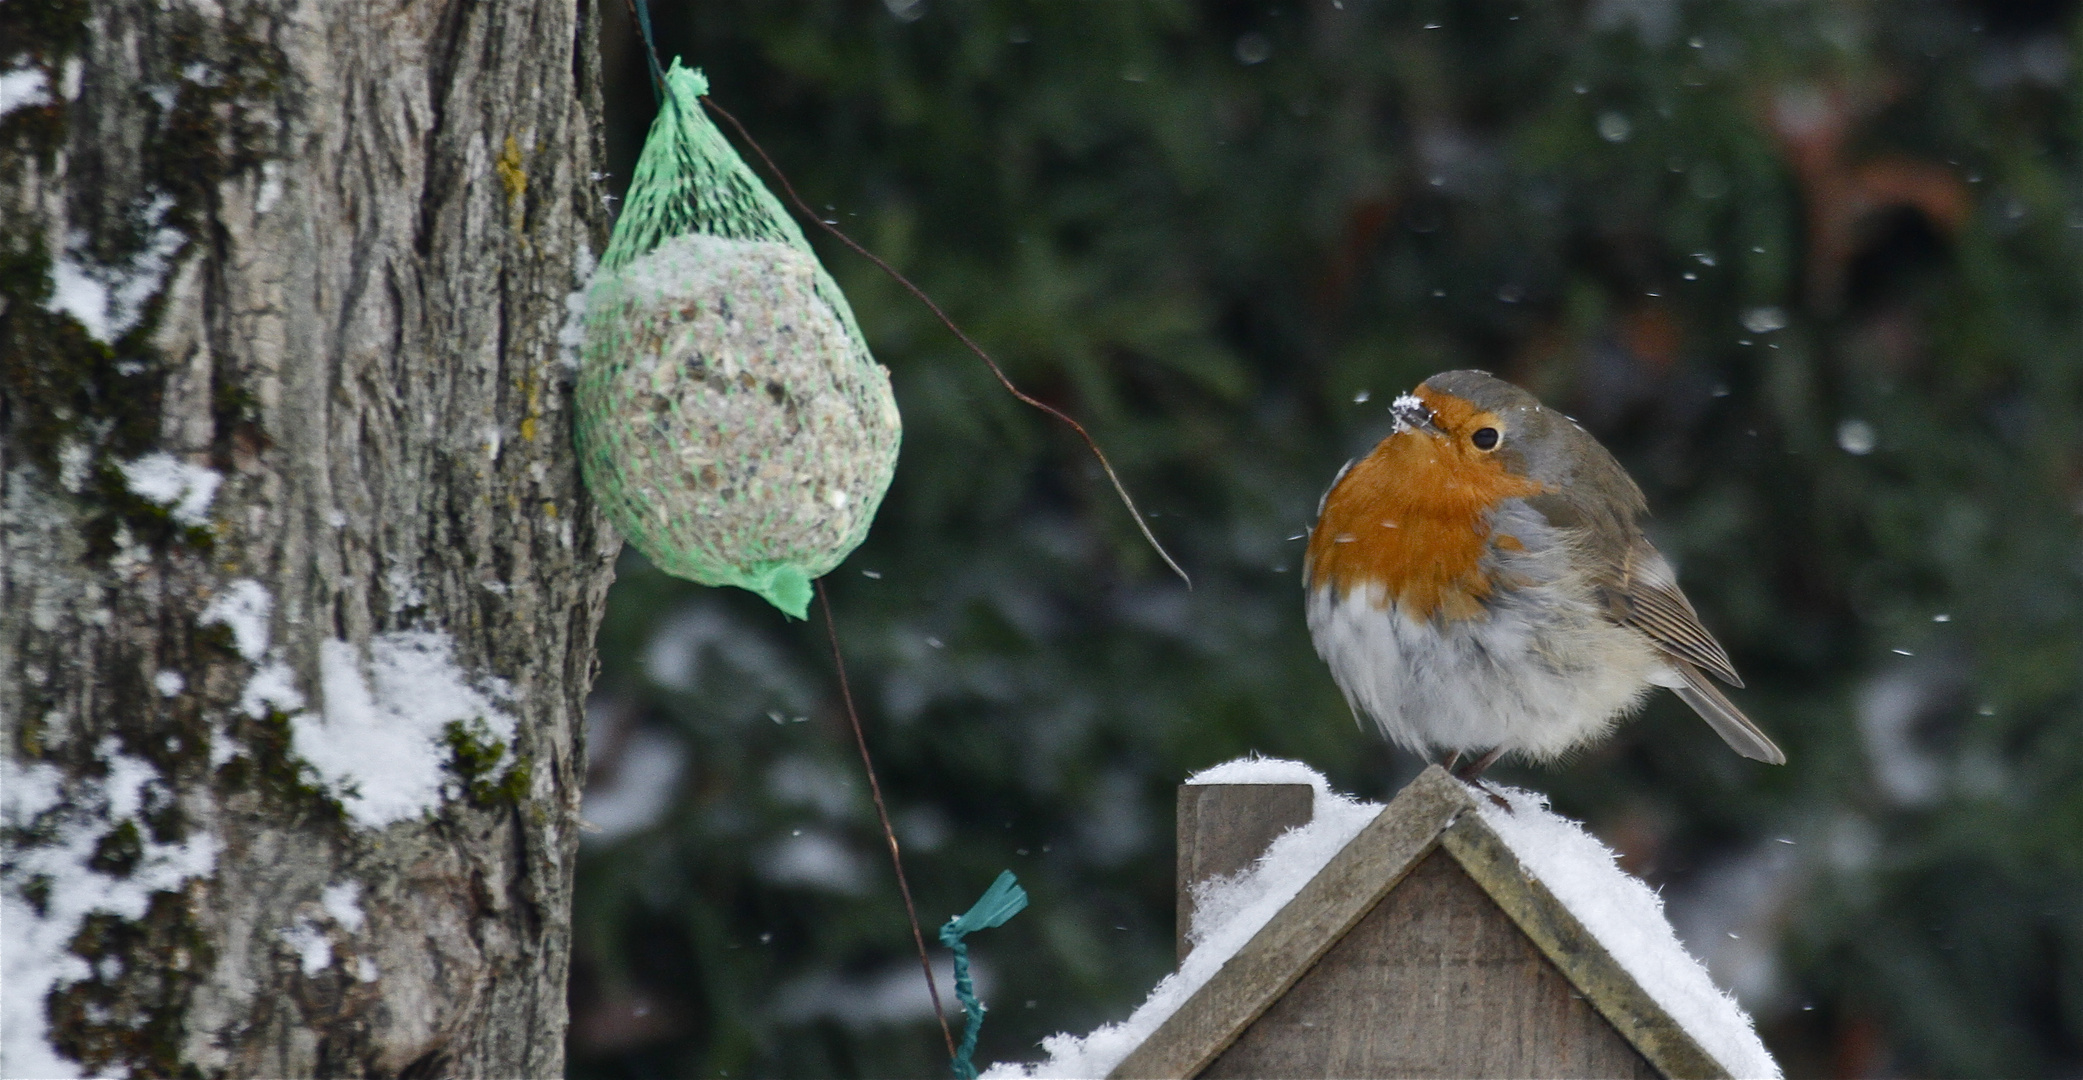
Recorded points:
(1810, 270)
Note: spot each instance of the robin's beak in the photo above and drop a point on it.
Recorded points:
(1412, 414)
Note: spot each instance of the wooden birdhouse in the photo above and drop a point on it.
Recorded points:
(1449, 936)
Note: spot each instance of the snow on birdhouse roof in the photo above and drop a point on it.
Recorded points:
(1525, 855)
(1627, 917)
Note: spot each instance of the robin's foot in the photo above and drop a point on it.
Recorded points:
(1473, 771)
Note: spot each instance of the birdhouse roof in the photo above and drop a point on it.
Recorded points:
(1601, 929)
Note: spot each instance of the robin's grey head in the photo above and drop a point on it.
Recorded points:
(1536, 441)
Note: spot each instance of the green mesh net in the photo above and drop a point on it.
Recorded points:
(730, 419)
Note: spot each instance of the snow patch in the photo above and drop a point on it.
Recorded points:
(571, 337)
(270, 191)
(244, 606)
(165, 480)
(344, 903)
(73, 458)
(1232, 910)
(1753, 892)
(71, 816)
(1628, 918)
(273, 686)
(1262, 770)
(223, 747)
(314, 950)
(404, 592)
(76, 292)
(1402, 409)
(107, 300)
(169, 683)
(378, 742)
(22, 88)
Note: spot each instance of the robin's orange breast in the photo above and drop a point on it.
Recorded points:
(1413, 517)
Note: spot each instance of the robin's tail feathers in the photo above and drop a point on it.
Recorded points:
(1725, 718)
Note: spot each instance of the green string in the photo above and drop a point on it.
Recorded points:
(643, 25)
(1003, 900)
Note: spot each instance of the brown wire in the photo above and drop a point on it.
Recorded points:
(824, 604)
(804, 209)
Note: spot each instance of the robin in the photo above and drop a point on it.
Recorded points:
(1480, 585)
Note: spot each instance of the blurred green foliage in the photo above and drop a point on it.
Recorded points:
(1811, 270)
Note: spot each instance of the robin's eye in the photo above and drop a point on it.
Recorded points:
(1484, 438)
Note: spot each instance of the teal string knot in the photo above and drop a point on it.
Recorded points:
(1003, 900)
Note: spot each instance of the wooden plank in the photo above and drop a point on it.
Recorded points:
(1224, 828)
(1328, 905)
(1580, 957)
(1435, 981)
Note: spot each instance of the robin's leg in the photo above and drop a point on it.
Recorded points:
(1473, 771)
(1471, 774)
(1452, 762)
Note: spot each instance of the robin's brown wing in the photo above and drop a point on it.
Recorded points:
(1640, 589)
(1645, 596)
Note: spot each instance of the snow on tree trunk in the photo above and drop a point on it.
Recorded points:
(298, 586)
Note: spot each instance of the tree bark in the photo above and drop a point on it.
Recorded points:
(291, 524)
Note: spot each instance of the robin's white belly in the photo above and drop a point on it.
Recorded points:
(1540, 672)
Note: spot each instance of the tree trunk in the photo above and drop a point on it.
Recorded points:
(299, 587)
